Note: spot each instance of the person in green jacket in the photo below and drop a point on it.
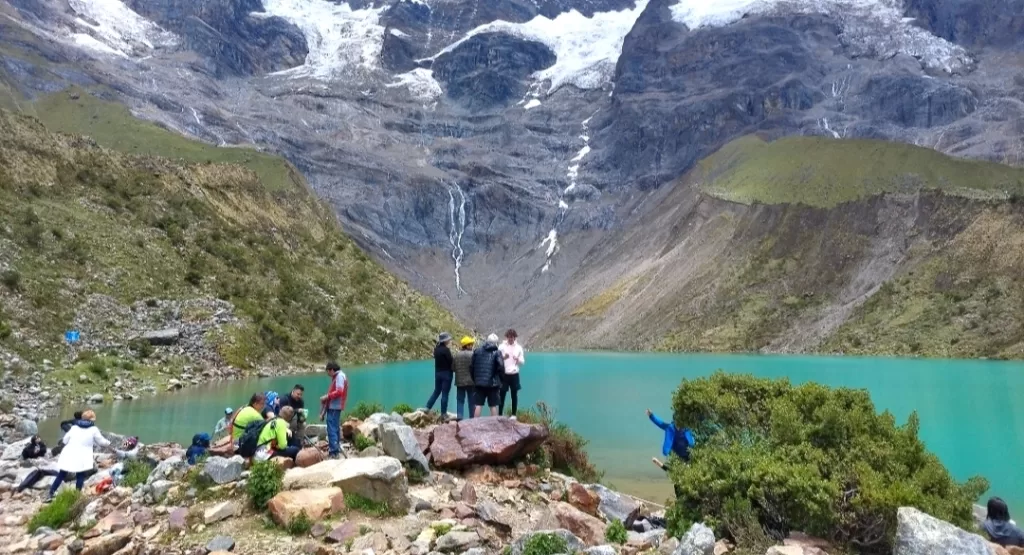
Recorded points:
(253, 412)
(273, 440)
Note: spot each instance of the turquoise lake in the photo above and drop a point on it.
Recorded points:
(971, 412)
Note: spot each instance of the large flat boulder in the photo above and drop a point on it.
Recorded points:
(490, 440)
(222, 471)
(381, 479)
(399, 441)
(588, 528)
(918, 533)
(318, 503)
(613, 505)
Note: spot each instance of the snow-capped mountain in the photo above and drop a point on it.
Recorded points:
(482, 148)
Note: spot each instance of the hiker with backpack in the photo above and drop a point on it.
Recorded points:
(273, 438)
(248, 415)
(676, 440)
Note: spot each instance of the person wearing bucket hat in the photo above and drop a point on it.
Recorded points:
(463, 366)
(443, 375)
(223, 423)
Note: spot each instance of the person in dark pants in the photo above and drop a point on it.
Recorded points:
(513, 358)
(76, 458)
(35, 449)
(298, 424)
(675, 440)
(443, 374)
(487, 371)
(463, 366)
(331, 406)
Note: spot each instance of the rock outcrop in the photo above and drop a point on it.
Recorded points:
(489, 440)
(918, 533)
(380, 479)
(318, 504)
(588, 528)
(399, 441)
(698, 540)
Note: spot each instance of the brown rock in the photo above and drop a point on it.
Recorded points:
(284, 462)
(308, 457)
(221, 511)
(178, 519)
(318, 504)
(319, 530)
(423, 438)
(583, 499)
(799, 539)
(107, 544)
(376, 541)
(722, 547)
(998, 549)
(446, 514)
(463, 511)
(113, 522)
(51, 542)
(511, 484)
(469, 494)
(489, 440)
(349, 428)
(482, 475)
(142, 516)
(588, 528)
(343, 533)
(1014, 550)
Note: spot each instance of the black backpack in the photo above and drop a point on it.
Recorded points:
(249, 442)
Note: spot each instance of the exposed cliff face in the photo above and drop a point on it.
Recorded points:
(483, 149)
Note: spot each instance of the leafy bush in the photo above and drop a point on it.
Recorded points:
(362, 442)
(545, 544)
(5, 330)
(266, 478)
(402, 408)
(135, 473)
(64, 508)
(616, 532)
(363, 410)
(300, 525)
(11, 279)
(806, 458)
(361, 504)
(442, 528)
(565, 450)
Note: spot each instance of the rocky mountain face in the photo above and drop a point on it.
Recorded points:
(497, 149)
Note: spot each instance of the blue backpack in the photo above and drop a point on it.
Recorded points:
(682, 442)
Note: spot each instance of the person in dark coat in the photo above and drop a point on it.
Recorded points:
(487, 371)
(1000, 529)
(443, 374)
(298, 404)
(34, 450)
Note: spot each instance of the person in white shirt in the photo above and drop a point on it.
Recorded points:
(76, 458)
(513, 357)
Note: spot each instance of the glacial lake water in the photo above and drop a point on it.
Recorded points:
(971, 411)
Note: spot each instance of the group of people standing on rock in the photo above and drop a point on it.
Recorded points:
(483, 374)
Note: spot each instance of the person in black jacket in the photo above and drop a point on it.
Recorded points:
(35, 449)
(65, 427)
(296, 402)
(488, 368)
(443, 374)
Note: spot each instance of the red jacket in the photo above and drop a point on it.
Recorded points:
(337, 395)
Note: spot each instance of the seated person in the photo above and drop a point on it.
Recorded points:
(273, 441)
(999, 527)
(34, 450)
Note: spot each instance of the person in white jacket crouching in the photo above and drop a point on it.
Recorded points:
(77, 458)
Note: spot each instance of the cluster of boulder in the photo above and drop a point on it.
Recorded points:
(455, 488)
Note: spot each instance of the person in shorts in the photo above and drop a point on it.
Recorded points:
(488, 369)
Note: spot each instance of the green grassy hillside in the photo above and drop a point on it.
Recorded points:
(822, 172)
(80, 219)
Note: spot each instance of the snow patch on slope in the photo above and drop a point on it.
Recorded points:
(339, 38)
(110, 27)
(873, 28)
(587, 48)
(420, 82)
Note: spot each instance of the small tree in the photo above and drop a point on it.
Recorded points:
(266, 478)
(806, 458)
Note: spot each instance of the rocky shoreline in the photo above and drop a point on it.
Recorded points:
(465, 488)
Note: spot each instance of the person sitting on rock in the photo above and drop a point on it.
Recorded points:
(487, 370)
(999, 527)
(222, 425)
(253, 412)
(462, 364)
(34, 450)
(273, 441)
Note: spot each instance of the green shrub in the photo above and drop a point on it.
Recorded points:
(135, 473)
(64, 508)
(565, 450)
(143, 349)
(363, 410)
(416, 474)
(5, 330)
(616, 532)
(806, 458)
(300, 524)
(97, 367)
(11, 280)
(442, 528)
(361, 504)
(545, 544)
(266, 478)
(362, 442)
(402, 408)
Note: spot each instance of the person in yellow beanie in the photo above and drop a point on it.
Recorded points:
(463, 366)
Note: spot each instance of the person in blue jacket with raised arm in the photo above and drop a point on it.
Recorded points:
(676, 441)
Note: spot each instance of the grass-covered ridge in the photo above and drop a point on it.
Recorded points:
(80, 219)
(825, 172)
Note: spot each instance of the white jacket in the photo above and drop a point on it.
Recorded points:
(78, 444)
(512, 355)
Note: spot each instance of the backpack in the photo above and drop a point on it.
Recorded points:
(249, 441)
(682, 442)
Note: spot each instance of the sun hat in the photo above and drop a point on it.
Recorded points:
(444, 336)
